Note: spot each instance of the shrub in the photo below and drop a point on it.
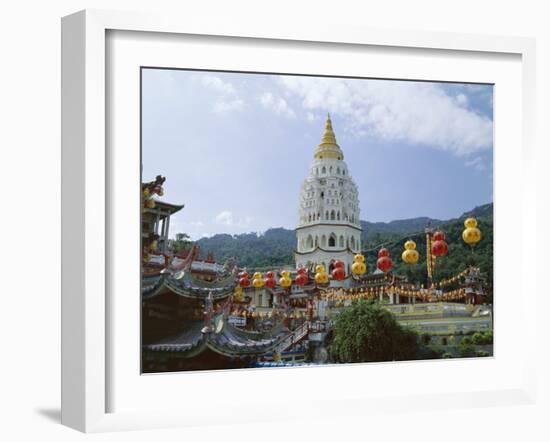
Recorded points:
(482, 353)
(446, 355)
(425, 338)
(466, 351)
(488, 335)
(478, 338)
(466, 341)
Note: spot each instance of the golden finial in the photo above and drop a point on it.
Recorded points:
(329, 147)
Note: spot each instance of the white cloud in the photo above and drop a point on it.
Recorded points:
(226, 218)
(277, 105)
(413, 112)
(311, 116)
(217, 84)
(222, 106)
(228, 99)
(477, 163)
(462, 100)
(197, 223)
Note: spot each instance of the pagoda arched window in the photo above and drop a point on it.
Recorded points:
(330, 169)
(326, 215)
(341, 242)
(332, 240)
(332, 215)
(310, 242)
(316, 241)
(324, 170)
(352, 243)
(338, 215)
(338, 170)
(323, 241)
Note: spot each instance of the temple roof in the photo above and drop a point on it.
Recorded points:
(224, 339)
(183, 283)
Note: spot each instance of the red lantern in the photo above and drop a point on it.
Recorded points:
(439, 248)
(338, 273)
(302, 271)
(269, 275)
(337, 264)
(383, 252)
(270, 282)
(243, 275)
(438, 236)
(244, 282)
(384, 263)
(302, 279)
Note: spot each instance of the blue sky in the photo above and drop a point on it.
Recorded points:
(236, 147)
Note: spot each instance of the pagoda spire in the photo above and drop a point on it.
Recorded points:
(328, 148)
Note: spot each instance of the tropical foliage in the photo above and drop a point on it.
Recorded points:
(367, 332)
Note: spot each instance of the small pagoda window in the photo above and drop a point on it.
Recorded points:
(332, 240)
(341, 241)
(326, 215)
(330, 169)
(338, 170)
(344, 172)
(324, 170)
(332, 215)
(338, 215)
(323, 241)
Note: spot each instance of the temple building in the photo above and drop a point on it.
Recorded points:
(329, 226)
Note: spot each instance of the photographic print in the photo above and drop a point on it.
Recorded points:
(293, 220)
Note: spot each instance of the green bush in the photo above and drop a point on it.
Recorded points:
(446, 355)
(482, 353)
(466, 351)
(425, 338)
(488, 335)
(466, 341)
(478, 338)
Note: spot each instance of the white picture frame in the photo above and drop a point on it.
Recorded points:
(86, 200)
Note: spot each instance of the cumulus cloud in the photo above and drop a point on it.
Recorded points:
(228, 99)
(277, 105)
(217, 84)
(226, 218)
(222, 106)
(477, 163)
(413, 112)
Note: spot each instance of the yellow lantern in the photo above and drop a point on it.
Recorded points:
(146, 192)
(470, 222)
(471, 236)
(410, 255)
(359, 258)
(257, 280)
(358, 268)
(285, 280)
(321, 276)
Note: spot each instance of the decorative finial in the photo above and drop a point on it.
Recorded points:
(328, 148)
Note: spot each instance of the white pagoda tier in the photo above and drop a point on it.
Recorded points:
(329, 226)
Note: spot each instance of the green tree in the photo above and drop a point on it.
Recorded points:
(180, 244)
(366, 332)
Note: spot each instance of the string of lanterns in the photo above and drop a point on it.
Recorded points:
(438, 247)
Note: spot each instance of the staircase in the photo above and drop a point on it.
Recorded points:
(294, 337)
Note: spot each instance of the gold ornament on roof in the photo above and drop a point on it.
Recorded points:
(329, 147)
